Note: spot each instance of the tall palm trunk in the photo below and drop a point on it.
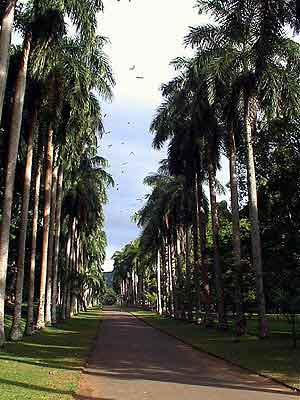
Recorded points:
(188, 274)
(66, 273)
(16, 331)
(206, 292)
(236, 240)
(45, 242)
(165, 280)
(177, 279)
(48, 319)
(5, 40)
(172, 276)
(14, 136)
(196, 245)
(56, 243)
(169, 279)
(216, 246)
(30, 313)
(180, 262)
(159, 305)
(74, 270)
(250, 105)
(70, 271)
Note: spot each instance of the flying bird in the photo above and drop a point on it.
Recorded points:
(140, 77)
(106, 133)
(125, 163)
(132, 153)
(122, 142)
(109, 146)
(132, 68)
(139, 199)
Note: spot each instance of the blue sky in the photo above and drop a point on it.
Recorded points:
(148, 35)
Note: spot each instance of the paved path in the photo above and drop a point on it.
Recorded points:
(132, 361)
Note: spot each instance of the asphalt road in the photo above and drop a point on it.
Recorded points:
(132, 361)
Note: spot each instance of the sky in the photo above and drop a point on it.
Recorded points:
(145, 35)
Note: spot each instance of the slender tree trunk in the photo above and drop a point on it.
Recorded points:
(56, 243)
(250, 104)
(66, 273)
(209, 318)
(47, 210)
(14, 136)
(180, 263)
(216, 246)
(197, 249)
(188, 274)
(48, 319)
(70, 271)
(30, 312)
(165, 280)
(159, 305)
(16, 330)
(236, 240)
(5, 40)
(74, 270)
(169, 279)
(172, 277)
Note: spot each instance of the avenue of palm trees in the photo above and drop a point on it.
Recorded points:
(52, 180)
(237, 96)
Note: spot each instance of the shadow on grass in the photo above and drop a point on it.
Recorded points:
(30, 386)
(66, 366)
(61, 347)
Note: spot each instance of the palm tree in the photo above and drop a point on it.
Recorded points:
(16, 331)
(187, 100)
(248, 51)
(46, 223)
(57, 243)
(48, 314)
(82, 208)
(14, 136)
(5, 40)
(30, 310)
(10, 176)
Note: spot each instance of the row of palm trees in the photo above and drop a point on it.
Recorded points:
(51, 124)
(244, 74)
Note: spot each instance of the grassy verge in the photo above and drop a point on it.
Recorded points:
(278, 325)
(48, 364)
(273, 357)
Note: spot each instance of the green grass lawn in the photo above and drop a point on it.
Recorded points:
(273, 357)
(278, 325)
(48, 364)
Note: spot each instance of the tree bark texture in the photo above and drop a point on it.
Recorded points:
(16, 330)
(45, 240)
(14, 137)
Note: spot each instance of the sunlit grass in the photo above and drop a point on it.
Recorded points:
(47, 365)
(274, 356)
